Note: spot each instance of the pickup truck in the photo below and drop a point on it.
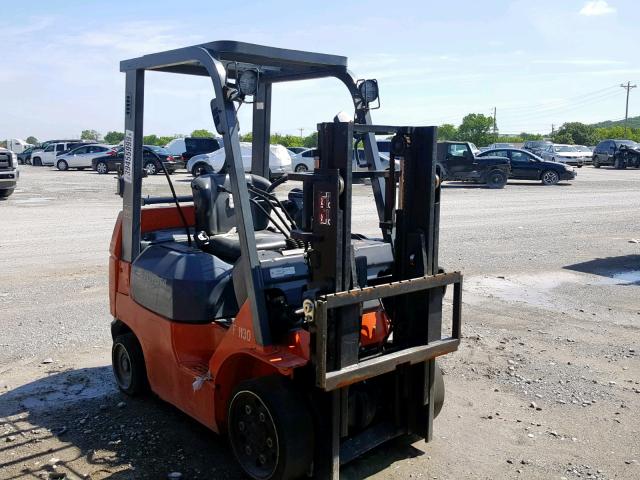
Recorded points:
(456, 161)
(8, 172)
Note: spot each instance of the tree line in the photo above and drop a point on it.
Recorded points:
(475, 127)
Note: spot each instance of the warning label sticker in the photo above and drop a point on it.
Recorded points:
(128, 156)
(282, 272)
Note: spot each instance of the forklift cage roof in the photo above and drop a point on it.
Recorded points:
(222, 60)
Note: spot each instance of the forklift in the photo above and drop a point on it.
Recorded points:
(266, 318)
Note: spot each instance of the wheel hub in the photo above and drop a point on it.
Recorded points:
(253, 435)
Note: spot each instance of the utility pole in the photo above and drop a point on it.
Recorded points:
(553, 129)
(627, 87)
(301, 130)
(495, 125)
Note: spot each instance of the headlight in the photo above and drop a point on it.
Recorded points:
(368, 90)
(248, 82)
(14, 159)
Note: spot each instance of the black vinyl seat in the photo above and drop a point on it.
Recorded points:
(216, 220)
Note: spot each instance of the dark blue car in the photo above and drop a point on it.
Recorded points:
(527, 166)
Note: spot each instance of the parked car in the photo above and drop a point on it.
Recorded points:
(153, 157)
(9, 172)
(564, 154)
(80, 157)
(527, 166)
(456, 161)
(279, 161)
(296, 150)
(618, 153)
(500, 145)
(51, 151)
(25, 156)
(588, 151)
(304, 161)
(536, 146)
(183, 149)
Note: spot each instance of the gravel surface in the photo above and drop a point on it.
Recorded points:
(545, 385)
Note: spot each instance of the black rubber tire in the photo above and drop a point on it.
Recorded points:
(301, 167)
(619, 164)
(6, 192)
(595, 163)
(274, 407)
(549, 177)
(37, 162)
(151, 168)
(106, 168)
(128, 365)
(496, 179)
(63, 164)
(201, 168)
(439, 391)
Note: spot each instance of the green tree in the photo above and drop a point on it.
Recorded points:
(476, 128)
(150, 139)
(579, 133)
(90, 135)
(32, 140)
(202, 133)
(113, 138)
(247, 137)
(162, 141)
(310, 141)
(447, 132)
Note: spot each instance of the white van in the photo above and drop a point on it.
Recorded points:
(279, 161)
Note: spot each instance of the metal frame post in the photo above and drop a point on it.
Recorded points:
(132, 165)
(261, 130)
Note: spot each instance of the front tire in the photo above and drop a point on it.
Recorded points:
(619, 164)
(37, 162)
(301, 168)
(62, 165)
(128, 365)
(6, 192)
(270, 429)
(549, 177)
(496, 179)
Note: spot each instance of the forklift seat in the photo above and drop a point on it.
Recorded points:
(216, 219)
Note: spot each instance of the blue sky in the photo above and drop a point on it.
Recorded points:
(539, 62)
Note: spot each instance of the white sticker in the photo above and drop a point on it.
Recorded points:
(259, 105)
(128, 155)
(282, 272)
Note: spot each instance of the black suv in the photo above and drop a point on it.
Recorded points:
(456, 161)
(618, 153)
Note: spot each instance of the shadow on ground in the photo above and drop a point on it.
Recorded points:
(624, 269)
(78, 421)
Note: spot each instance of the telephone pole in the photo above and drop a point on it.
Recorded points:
(628, 88)
(301, 130)
(495, 125)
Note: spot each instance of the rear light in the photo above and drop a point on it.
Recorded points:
(111, 153)
(170, 158)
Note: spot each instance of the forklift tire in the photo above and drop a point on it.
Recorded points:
(128, 365)
(496, 179)
(438, 391)
(270, 429)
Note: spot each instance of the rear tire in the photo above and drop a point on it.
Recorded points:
(150, 168)
(270, 429)
(128, 365)
(301, 168)
(102, 168)
(496, 179)
(62, 165)
(549, 177)
(596, 163)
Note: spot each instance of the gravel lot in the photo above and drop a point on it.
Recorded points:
(546, 383)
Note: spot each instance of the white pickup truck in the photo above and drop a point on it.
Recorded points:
(8, 172)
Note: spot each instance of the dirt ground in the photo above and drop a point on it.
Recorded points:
(546, 384)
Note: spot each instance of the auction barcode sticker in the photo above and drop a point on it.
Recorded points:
(128, 155)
